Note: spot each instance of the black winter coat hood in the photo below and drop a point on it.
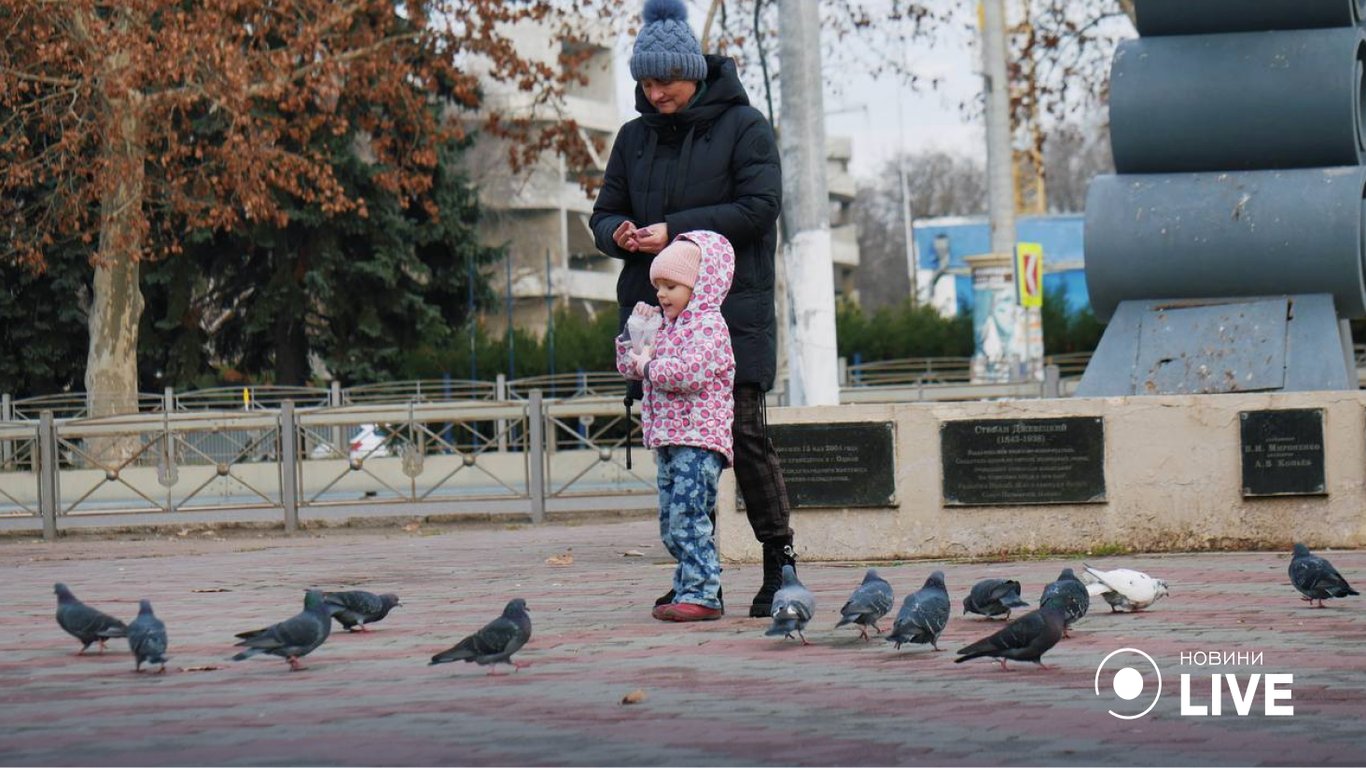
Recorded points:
(712, 166)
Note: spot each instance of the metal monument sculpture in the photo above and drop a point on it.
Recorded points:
(1226, 252)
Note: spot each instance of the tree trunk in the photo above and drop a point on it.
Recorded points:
(288, 331)
(111, 372)
(291, 350)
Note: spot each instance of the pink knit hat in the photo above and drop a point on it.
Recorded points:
(678, 263)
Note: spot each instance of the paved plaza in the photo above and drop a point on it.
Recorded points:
(718, 693)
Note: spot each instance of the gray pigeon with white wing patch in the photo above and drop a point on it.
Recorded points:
(871, 601)
(147, 638)
(1125, 589)
(495, 642)
(85, 623)
(1075, 600)
(923, 615)
(793, 607)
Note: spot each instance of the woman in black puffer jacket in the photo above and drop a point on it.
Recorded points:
(700, 157)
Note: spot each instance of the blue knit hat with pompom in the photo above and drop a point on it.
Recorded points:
(666, 48)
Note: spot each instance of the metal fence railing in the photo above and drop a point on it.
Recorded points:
(297, 449)
(299, 461)
(891, 374)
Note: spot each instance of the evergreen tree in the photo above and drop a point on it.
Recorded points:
(43, 325)
(359, 292)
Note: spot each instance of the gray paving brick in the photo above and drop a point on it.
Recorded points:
(718, 693)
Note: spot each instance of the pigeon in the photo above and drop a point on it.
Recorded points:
(147, 638)
(870, 602)
(993, 597)
(1027, 638)
(359, 607)
(294, 637)
(923, 615)
(1076, 601)
(1124, 589)
(793, 607)
(1314, 577)
(85, 623)
(496, 642)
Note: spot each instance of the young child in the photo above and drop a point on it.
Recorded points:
(686, 414)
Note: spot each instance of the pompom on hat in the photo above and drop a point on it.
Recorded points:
(666, 48)
(677, 263)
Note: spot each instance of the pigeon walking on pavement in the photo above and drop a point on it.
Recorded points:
(994, 597)
(147, 638)
(923, 615)
(1027, 638)
(870, 601)
(495, 642)
(1125, 589)
(1316, 578)
(85, 623)
(295, 637)
(359, 607)
(793, 607)
(1076, 601)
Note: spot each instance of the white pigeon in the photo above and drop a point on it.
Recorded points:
(1124, 589)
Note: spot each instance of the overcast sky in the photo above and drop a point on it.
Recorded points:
(866, 110)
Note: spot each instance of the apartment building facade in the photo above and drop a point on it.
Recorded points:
(541, 214)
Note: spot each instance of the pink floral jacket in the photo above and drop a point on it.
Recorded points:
(689, 382)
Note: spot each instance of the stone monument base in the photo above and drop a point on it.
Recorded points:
(1102, 475)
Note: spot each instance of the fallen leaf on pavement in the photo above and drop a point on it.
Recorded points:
(632, 553)
(634, 697)
(410, 527)
(566, 559)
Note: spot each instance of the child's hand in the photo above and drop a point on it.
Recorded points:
(645, 310)
(640, 359)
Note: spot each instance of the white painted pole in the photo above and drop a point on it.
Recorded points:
(1014, 359)
(813, 373)
(1000, 185)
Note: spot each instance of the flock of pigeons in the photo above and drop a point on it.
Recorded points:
(925, 612)
(922, 617)
(295, 637)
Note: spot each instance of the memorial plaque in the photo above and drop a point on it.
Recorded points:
(1023, 461)
(837, 465)
(1283, 452)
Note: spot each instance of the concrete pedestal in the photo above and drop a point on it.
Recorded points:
(1173, 473)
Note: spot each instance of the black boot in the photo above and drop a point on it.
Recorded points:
(776, 555)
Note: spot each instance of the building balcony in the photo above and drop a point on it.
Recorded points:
(844, 246)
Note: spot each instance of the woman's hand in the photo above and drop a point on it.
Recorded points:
(651, 239)
(625, 236)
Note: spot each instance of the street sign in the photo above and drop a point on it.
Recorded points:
(1029, 274)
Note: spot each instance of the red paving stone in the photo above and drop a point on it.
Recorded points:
(718, 693)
